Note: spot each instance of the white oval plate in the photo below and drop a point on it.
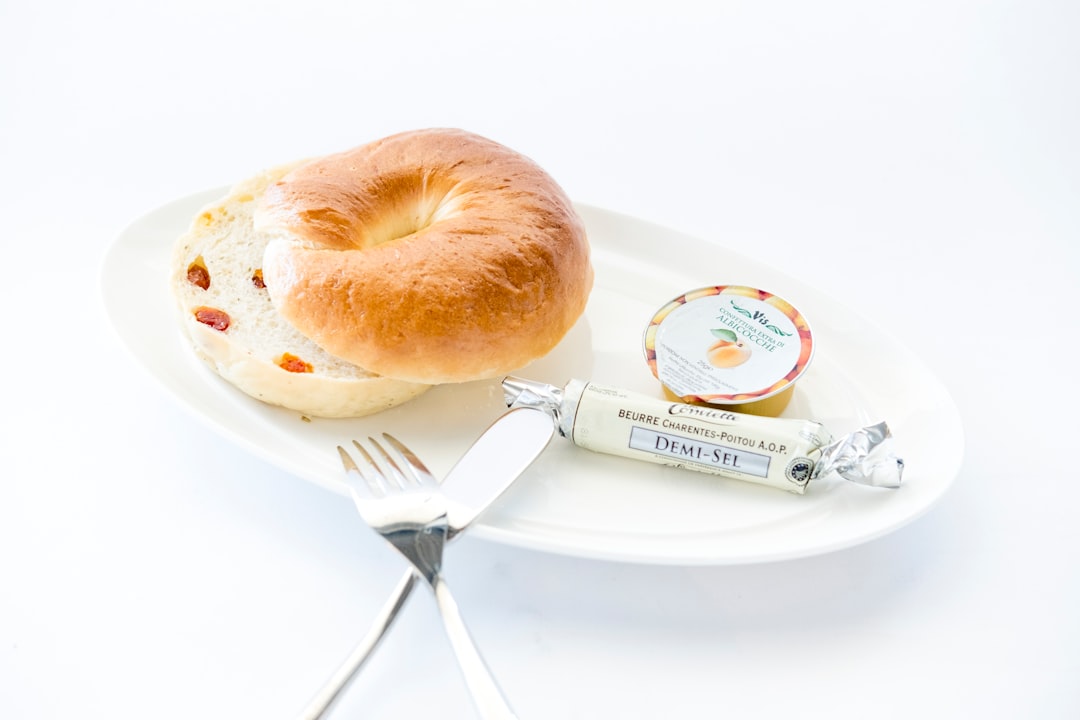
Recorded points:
(573, 501)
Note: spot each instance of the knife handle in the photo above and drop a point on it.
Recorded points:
(486, 695)
(325, 700)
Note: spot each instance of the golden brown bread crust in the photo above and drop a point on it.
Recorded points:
(431, 256)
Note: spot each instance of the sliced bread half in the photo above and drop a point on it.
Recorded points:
(226, 313)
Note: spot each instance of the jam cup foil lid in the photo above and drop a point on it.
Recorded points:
(728, 344)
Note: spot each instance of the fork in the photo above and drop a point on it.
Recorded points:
(407, 509)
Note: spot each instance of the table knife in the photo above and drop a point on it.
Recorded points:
(484, 472)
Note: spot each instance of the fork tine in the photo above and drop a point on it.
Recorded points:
(401, 479)
(373, 477)
(420, 471)
(347, 461)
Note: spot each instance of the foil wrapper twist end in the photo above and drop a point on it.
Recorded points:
(864, 457)
(518, 392)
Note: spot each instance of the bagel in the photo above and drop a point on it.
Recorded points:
(431, 256)
(228, 319)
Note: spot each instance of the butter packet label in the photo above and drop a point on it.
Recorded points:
(767, 451)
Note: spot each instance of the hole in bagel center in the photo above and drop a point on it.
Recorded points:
(413, 213)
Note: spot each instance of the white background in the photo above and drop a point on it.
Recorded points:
(920, 160)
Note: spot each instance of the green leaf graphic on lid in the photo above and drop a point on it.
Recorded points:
(725, 334)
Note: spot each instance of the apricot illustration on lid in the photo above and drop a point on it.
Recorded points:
(730, 345)
(728, 351)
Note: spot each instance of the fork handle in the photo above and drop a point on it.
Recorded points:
(488, 698)
(322, 703)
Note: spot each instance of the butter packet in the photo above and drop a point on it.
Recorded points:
(783, 453)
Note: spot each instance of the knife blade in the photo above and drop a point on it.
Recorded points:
(502, 453)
